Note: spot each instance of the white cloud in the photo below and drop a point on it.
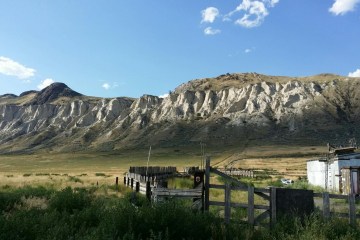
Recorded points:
(164, 95)
(252, 12)
(47, 82)
(209, 14)
(355, 74)
(11, 68)
(106, 86)
(341, 7)
(272, 3)
(211, 31)
(248, 50)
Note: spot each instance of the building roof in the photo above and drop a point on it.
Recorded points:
(342, 150)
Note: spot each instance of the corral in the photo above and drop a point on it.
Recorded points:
(264, 209)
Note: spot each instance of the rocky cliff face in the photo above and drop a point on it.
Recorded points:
(229, 109)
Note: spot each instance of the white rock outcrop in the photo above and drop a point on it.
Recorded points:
(261, 103)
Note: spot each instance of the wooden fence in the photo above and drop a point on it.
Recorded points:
(155, 186)
(152, 170)
(196, 193)
(237, 172)
(264, 213)
(329, 211)
(269, 210)
(231, 185)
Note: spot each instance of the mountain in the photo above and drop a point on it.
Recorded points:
(52, 92)
(228, 110)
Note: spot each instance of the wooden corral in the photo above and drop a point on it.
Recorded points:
(274, 201)
(152, 182)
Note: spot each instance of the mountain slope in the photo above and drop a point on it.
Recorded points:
(231, 109)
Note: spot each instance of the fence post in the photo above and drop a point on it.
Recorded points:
(227, 202)
(148, 190)
(137, 186)
(117, 183)
(207, 184)
(326, 205)
(273, 206)
(352, 210)
(250, 209)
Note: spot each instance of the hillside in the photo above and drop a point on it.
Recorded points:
(229, 110)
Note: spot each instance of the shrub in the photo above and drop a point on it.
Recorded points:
(69, 201)
(276, 183)
(100, 174)
(42, 174)
(75, 179)
(9, 198)
(303, 184)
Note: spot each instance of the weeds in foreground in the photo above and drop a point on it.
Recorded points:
(41, 213)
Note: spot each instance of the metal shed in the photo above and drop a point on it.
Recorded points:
(327, 172)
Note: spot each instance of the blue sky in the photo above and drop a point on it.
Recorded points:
(129, 48)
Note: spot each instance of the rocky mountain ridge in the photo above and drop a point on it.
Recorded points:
(227, 110)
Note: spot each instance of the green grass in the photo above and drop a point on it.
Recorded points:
(303, 184)
(79, 213)
(181, 183)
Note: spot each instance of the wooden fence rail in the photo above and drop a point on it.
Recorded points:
(268, 195)
(238, 172)
(182, 193)
(232, 185)
(326, 206)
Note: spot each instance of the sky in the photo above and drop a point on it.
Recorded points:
(117, 48)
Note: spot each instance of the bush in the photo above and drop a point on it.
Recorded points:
(69, 201)
(75, 179)
(100, 174)
(42, 174)
(10, 197)
(303, 184)
(276, 183)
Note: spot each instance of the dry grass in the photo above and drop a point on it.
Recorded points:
(82, 169)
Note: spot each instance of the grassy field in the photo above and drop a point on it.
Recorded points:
(74, 194)
(86, 169)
